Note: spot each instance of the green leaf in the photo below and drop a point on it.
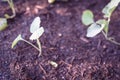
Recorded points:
(94, 29)
(104, 23)
(87, 17)
(3, 24)
(110, 7)
(113, 3)
(16, 40)
(35, 24)
(37, 33)
(107, 12)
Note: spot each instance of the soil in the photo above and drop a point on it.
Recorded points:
(64, 42)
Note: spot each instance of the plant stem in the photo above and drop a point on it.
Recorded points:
(108, 20)
(10, 2)
(105, 34)
(31, 44)
(110, 39)
(39, 45)
(113, 41)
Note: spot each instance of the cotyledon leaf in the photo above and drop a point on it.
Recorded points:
(94, 29)
(87, 17)
(37, 34)
(104, 23)
(110, 7)
(35, 24)
(18, 38)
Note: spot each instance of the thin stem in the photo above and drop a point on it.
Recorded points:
(31, 44)
(108, 20)
(105, 34)
(113, 41)
(39, 45)
(13, 9)
(110, 39)
(10, 2)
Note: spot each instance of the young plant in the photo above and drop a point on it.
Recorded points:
(102, 25)
(11, 4)
(3, 21)
(36, 31)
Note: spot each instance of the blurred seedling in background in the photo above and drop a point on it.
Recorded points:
(102, 25)
(3, 21)
(36, 31)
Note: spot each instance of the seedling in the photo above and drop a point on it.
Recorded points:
(102, 25)
(3, 21)
(36, 31)
(11, 4)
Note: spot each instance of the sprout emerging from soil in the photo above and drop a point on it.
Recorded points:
(11, 4)
(102, 25)
(3, 21)
(36, 31)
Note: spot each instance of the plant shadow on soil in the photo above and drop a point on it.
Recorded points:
(64, 41)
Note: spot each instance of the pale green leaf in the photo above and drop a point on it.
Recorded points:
(37, 33)
(35, 24)
(107, 12)
(113, 3)
(94, 29)
(3, 23)
(110, 7)
(16, 40)
(87, 17)
(104, 23)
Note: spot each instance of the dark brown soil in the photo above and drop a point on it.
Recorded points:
(64, 42)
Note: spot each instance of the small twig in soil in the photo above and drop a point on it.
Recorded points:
(43, 69)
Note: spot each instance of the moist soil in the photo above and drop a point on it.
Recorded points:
(64, 42)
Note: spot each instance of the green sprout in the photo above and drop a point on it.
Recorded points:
(102, 25)
(36, 31)
(11, 4)
(3, 21)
